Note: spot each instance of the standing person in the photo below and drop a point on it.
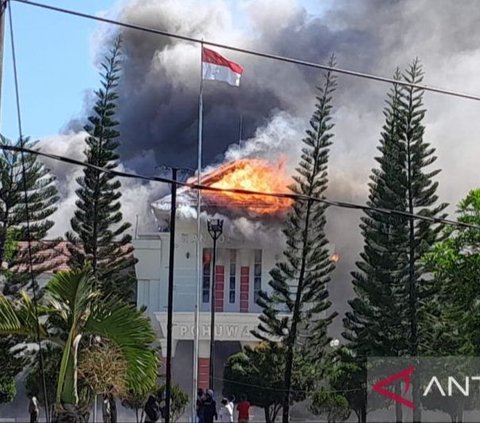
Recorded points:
(209, 408)
(33, 408)
(243, 408)
(226, 412)
(231, 402)
(106, 409)
(152, 410)
(113, 407)
(200, 405)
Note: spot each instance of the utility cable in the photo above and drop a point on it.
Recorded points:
(292, 196)
(27, 216)
(276, 57)
(298, 391)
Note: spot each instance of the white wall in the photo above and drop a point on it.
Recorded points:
(152, 252)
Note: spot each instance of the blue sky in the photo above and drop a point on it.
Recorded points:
(55, 64)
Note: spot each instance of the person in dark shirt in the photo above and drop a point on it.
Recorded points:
(152, 410)
(209, 408)
(200, 406)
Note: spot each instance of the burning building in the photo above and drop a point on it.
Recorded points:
(250, 245)
(247, 250)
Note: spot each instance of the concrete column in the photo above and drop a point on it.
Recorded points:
(163, 346)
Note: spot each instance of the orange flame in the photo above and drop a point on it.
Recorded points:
(335, 257)
(252, 175)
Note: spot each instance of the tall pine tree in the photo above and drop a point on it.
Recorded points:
(98, 234)
(376, 324)
(298, 303)
(421, 199)
(391, 284)
(41, 196)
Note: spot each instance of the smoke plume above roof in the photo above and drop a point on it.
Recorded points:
(158, 104)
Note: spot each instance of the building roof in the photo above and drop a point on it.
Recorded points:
(248, 174)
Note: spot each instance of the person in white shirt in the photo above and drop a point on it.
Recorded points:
(33, 408)
(231, 402)
(226, 412)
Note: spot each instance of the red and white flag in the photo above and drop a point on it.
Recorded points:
(219, 68)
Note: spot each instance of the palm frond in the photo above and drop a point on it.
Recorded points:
(18, 317)
(132, 333)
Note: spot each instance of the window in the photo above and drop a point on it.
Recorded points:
(233, 272)
(257, 274)
(207, 274)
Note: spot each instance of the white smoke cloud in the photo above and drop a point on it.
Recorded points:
(136, 196)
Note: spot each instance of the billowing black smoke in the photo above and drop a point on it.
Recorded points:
(160, 83)
(159, 90)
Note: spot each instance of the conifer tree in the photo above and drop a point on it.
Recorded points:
(392, 287)
(41, 196)
(98, 232)
(299, 298)
(376, 324)
(421, 199)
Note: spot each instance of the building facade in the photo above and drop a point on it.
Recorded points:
(241, 271)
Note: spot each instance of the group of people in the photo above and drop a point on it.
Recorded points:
(207, 408)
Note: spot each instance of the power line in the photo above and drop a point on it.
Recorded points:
(298, 391)
(292, 196)
(27, 216)
(276, 57)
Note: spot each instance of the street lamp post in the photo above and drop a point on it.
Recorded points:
(215, 229)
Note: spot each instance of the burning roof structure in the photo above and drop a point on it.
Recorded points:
(246, 174)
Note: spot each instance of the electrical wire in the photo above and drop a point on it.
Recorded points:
(27, 217)
(292, 196)
(276, 57)
(299, 391)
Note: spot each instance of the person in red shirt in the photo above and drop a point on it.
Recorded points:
(243, 408)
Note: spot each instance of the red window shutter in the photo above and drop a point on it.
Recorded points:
(219, 287)
(244, 288)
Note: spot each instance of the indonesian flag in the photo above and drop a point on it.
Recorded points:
(219, 68)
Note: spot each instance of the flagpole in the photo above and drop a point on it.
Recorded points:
(196, 323)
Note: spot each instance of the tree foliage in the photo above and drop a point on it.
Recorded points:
(346, 376)
(391, 312)
(455, 265)
(41, 196)
(72, 309)
(330, 404)
(99, 236)
(52, 355)
(258, 373)
(178, 403)
(299, 297)
(8, 389)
